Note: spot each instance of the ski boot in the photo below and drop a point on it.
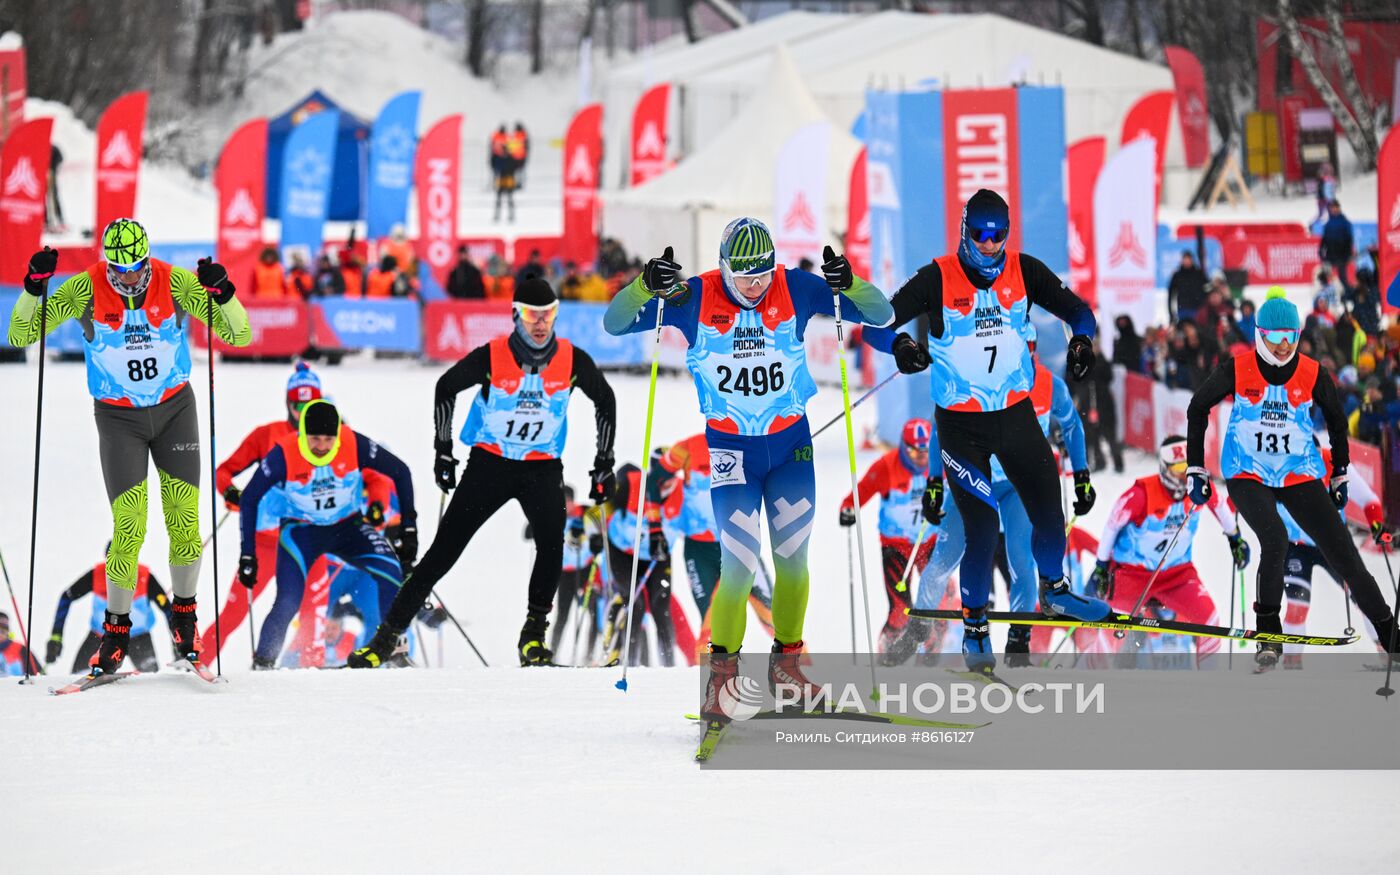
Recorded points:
(184, 630)
(724, 668)
(916, 632)
(1018, 647)
(116, 641)
(386, 643)
(1267, 654)
(531, 644)
(785, 675)
(977, 641)
(1056, 600)
(263, 663)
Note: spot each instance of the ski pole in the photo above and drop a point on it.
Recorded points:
(855, 480)
(217, 526)
(442, 509)
(871, 391)
(903, 585)
(18, 617)
(1385, 689)
(214, 498)
(38, 434)
(851, 576)
(1142, 599)
(641, 487)
(1243, 604)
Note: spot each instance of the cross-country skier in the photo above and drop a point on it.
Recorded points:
(1142, 525)
(148, 598)
(1303, 556)
(320, 471)
(686, 465)
(574, 567)
(134, 311)
(1268, 458)
(744, 324)
(900, 478)
(12, 652)
(978, 304)
(660, 526)
(516, 429)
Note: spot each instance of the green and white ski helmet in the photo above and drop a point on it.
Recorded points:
(745, 249)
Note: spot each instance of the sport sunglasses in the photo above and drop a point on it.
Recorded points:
(1281, 335)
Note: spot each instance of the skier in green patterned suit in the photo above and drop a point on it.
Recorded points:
(134, 312)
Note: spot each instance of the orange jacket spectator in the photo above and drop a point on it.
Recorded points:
(500, 288)
(354, 278)
(397, 244)
(269, 281)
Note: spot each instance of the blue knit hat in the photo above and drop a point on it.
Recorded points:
(1277, 312)
(303, 385)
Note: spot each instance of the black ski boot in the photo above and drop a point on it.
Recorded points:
(1018, 646)
(262, 663)
(915, 632)
(531, 644)
(116, 641)
(380, 650)
(1267, 654)
(184, 630)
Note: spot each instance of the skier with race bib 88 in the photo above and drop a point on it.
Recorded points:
(978, 302)
(1269, 459)
(134, 310)
(744, 325)
(1145, 521)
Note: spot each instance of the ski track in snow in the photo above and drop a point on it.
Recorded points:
(507, 770)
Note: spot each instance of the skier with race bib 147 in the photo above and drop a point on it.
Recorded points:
(978, 303)
(744, 324)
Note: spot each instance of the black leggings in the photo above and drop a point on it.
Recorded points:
(1312, 508)
(967, 441)
(654, 582)
(488, 482)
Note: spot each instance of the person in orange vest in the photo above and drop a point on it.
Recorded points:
(269, 281)
(398, 245)
(381, 280)
(352, 272)
(300, 282)
(518, 148)
(149, 598)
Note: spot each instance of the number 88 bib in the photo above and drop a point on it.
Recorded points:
(135, 358)
(522, 416)
(1269, 436)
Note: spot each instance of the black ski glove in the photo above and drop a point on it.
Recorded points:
(662, 275)
(1101, 581)
(445, 468)
(909, 356)
(848, 517)
(1239, 551)
(1080, 356)
(42, 265)
(248, 570)
(1084, 494)
(404, 540)
(836, 270)
(232, 496)
(214, 278)
(432, 617)
(595, 543)
(1380, 535)
(656, 541)
(601, 480)
(933, 501)
(374, 514)
(55, 648)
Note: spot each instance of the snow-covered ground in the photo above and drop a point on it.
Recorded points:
(507, 770)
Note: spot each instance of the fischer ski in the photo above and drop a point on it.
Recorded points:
(714, 731)
(1130, 623)
(87, 682)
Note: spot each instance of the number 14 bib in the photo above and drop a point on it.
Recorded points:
(1269, 436)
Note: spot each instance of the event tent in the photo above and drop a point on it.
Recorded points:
(351, 153)
(688, 206)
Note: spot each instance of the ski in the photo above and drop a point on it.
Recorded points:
(982, 677)
(1130, 623)
(857, 716)
(714, 731)
(198, 670)
(87, 682)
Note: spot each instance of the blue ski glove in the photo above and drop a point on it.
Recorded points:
(1337, 487)
(1198, 485)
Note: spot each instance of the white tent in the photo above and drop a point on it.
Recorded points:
(689, 206)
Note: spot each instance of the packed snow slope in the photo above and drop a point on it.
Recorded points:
(503, 769)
